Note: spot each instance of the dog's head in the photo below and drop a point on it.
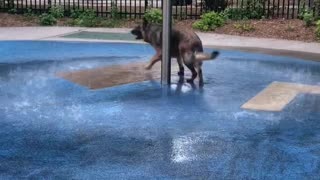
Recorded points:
(137, 31)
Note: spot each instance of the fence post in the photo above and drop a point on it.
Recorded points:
(145, 4)
(166, 34)
(10, 4)
(49, 4)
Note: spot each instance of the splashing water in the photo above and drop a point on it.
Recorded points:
(53, 128)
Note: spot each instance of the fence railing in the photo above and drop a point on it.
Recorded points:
(181, 9)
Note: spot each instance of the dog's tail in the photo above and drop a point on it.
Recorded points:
(200, 56)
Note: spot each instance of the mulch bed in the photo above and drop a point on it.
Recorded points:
(13, 20)
(280, 29)
(292, 29)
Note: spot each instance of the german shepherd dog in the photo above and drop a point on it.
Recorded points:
(185, 45)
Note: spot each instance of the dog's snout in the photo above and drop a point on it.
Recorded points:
(133, 31)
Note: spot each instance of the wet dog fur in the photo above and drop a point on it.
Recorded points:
(185, 46)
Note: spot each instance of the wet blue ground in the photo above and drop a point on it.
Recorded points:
(51, 128)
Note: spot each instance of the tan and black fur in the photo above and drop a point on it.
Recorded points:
(186, 46)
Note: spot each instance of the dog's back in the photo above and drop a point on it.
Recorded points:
(188, 40)
(181, 39)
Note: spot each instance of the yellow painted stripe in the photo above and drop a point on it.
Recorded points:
(277, 95)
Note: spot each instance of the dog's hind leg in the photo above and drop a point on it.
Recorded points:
(199, 69)
(181, 68)
(189, 60)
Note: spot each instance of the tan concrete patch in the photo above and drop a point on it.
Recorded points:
(277, 95)
(115, 75)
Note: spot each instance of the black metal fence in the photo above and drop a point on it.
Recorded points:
(181, 9)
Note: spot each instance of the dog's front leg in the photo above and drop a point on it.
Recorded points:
(181, 68)
(157, 57)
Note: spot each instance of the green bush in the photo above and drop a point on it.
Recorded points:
(12, 11)
(75, 13)
(86, 18)
(302, 10)
(50, 18)
(234, 13)
(47, 19)
(252, 9)
(114, 11)
(318, 29)
(209, 21)
(308, 18)
(56, 11)
(153, 15)
(29, 13)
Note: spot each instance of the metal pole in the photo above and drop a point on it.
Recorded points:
(166, 29)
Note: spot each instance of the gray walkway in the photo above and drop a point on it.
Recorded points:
(275, 46)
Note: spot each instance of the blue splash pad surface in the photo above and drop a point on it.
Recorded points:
(53, 128)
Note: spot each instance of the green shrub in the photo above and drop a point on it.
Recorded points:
(75, 13)
(50, 18)
(209, 21)
(29, 13)
(47, 19)
(252, 9)
(308, 18)
(234, 13)
(318, 29)
(86, 18)
(12, 11)
(56, 11)
(302, 10)
(114, 11)
(153, 15)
